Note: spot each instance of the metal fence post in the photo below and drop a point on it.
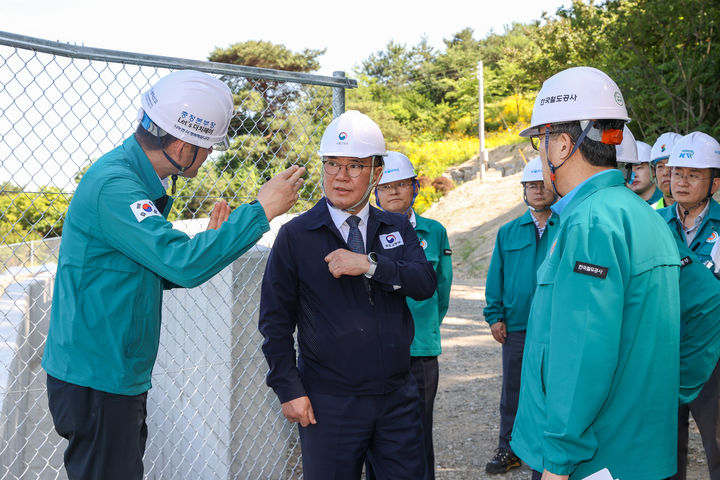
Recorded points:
(338, 99)
(210, 414)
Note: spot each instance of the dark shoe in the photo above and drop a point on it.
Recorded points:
(503, 461)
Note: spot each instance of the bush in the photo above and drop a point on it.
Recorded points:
(433, 158)
(443, 185)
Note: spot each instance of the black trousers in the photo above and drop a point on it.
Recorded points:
(512, 356)
(705, 410)
(427, 373)
(384, 429)
(106, 432)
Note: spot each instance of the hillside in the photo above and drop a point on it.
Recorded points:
(473, 212)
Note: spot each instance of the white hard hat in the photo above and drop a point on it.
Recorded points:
(663, 146)
(192, 106)
(627, 151)
(397, 167)
(575, 94)
(352, 134)
(532, 171)
(695, 150)
(643, 150)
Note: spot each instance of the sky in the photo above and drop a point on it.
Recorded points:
(351, 31)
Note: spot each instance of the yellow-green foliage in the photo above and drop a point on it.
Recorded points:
(433, 158)
(426, 197)
(510, 111)
(504, 137)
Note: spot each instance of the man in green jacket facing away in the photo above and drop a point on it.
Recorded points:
(117, 254)
(599, 385)
(396, 193)
(520, 247)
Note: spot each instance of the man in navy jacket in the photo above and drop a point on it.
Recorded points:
(340, 274)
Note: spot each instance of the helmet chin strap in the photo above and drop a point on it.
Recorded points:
(553, 168)
(365, 196)
(181, 170)
(416, 191)
(544, 209)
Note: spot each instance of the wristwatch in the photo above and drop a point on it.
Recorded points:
(372, 258)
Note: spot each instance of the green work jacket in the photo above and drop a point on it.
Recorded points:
(700, 325)
(511, 278)
(116, 254)
(428, 314)
(707, 235)
(600, 381)
(656, 197)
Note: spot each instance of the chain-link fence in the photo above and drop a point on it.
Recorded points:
(210, 414)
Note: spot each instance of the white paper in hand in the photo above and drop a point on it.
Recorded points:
(603, 474)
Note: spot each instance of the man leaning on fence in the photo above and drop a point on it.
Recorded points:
(340, 273)
(118, 252)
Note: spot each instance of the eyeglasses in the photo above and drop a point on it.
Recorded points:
(692, 177)
(392, 186)
(535, 141)
(535, 186)
(353, 169)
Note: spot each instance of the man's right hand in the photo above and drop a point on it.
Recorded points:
(499, 332)
(281, 192)
(299, 410)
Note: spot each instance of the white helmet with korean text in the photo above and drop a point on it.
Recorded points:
(191, 106)
(576, 94)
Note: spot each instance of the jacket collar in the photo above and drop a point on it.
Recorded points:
(140, 164)
(319, 216)
(599, 181)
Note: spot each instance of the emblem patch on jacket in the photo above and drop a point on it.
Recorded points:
(391, 240)
(144, 209)
(590, 269)
(713, 237)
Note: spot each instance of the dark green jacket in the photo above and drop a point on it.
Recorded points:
(600, 381)
(428, 314)
(117, 251)
(512, 275)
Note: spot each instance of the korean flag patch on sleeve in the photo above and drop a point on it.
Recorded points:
(144, 209)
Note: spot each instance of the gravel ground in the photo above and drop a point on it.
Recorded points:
(466, 408)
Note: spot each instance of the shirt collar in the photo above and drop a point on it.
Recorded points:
(413, 220)
(560, 205)
(698, 220)
(339, 216)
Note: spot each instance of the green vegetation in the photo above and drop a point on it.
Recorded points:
(664, 56)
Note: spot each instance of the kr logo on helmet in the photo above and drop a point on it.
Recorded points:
(686, 154)
(342, 136)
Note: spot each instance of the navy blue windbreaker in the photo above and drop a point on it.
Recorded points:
(354, 334)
